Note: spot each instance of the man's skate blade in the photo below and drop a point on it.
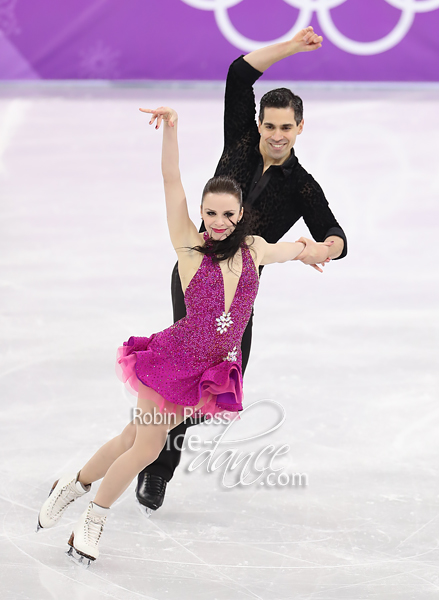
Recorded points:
(79, 559)
(145, 510)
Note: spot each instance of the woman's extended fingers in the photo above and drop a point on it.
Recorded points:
(322, 264)
(153, 112)
(161, 113)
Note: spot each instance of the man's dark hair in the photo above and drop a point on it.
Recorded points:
(282, 98)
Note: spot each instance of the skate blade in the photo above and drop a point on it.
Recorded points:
(146, 512)
(79, 559)
(53, 487)
(38, 524)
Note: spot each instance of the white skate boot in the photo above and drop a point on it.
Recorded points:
(86, 534)
(63, 492)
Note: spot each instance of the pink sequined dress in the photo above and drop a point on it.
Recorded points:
(197, 361)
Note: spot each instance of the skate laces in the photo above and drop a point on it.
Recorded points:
(94, 527)
(65, 497)
(155, 484)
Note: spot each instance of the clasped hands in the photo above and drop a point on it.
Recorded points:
(314, 253)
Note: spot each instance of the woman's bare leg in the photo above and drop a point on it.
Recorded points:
(102, 460)
(147, 445)
(148, 442)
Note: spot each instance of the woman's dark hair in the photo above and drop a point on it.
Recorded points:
(226, 249)
(223, 185)
(282, 98)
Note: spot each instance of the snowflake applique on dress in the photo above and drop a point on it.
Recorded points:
(232, 355)
(223, 322)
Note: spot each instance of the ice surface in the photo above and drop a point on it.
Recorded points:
(351, 355)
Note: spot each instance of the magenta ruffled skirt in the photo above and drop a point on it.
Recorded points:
(219, 390)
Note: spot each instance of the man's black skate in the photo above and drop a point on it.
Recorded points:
(150, 491)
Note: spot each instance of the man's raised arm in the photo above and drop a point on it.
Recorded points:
(304, 41)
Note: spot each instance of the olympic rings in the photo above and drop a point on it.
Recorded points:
(212, 4)
(314, 4)
(419, 6)
(240, 41)
(366, 48)
(408, 9)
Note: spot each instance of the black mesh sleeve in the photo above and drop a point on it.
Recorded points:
(341, 234)
(239, 103)
(317, 214)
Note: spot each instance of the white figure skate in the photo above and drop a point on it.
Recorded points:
(64, 491)
(86, 534)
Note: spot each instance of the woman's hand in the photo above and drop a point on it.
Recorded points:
(314, 253)
(163, 113)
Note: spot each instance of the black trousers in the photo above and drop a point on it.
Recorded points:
(169, 457)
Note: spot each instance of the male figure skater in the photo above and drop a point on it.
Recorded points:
(274, 185)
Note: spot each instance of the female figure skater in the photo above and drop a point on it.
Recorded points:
(194, 366)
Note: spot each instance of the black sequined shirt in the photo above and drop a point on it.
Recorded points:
(284, 193)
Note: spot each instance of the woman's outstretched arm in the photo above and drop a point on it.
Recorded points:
(182, 230)
(280, 252)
